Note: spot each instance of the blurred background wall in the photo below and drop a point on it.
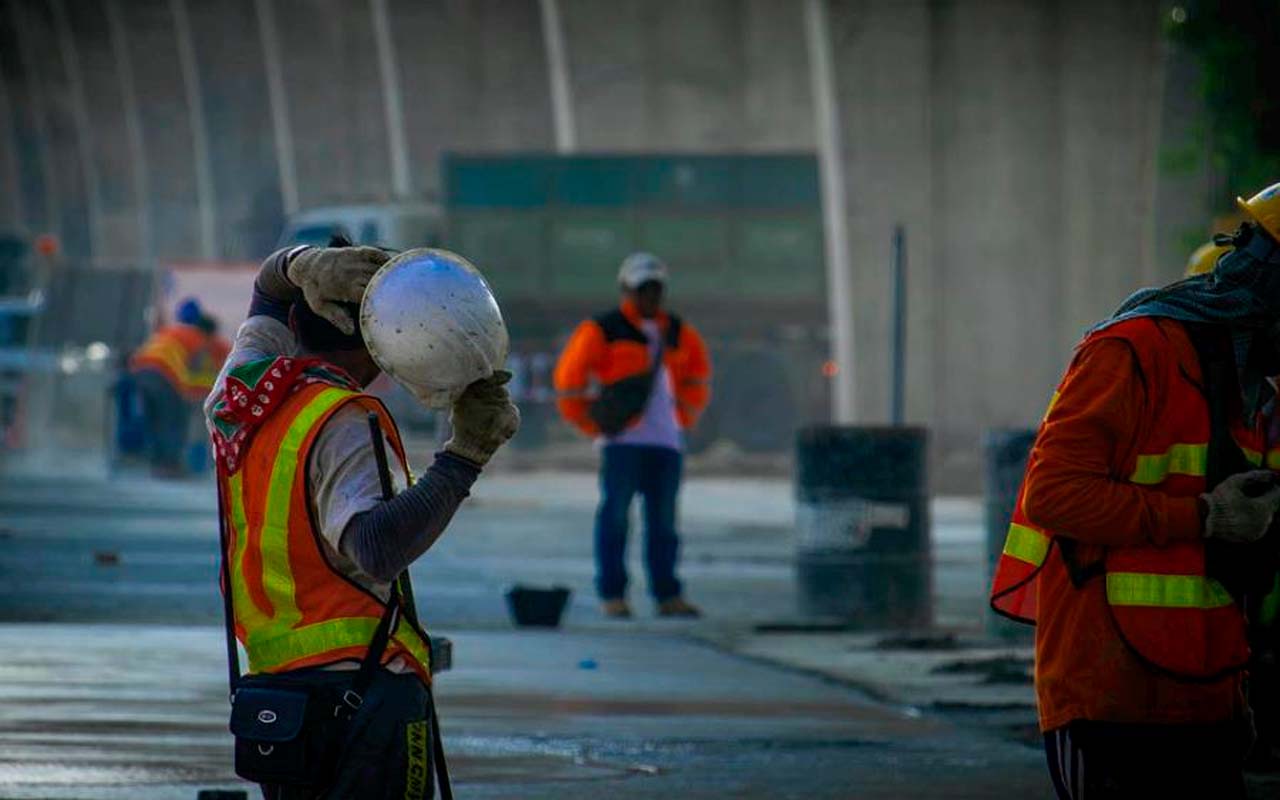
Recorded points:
(1019, 143)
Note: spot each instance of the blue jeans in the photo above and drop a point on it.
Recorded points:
(654, 472)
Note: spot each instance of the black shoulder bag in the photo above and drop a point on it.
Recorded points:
(289, 731)
(622, 401)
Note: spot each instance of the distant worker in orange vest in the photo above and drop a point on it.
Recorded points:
(312, 547)
(173, 372)
(1141, 545)
(636, 378)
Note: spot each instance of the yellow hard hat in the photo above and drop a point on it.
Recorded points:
(1205, 258)
(1264, 209)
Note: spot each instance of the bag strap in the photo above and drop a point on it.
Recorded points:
(228, 614)
(401, 588)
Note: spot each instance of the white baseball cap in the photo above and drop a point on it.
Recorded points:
(640, 268)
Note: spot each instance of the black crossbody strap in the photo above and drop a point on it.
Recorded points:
(228, 613)
(403, 585)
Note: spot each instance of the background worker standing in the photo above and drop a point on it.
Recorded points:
(173, 371)
(313, 549)
(1139, 545)
(635, 378)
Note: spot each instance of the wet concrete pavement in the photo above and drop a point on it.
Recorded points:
(638, 709)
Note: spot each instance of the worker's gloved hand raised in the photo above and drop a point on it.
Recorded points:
(328, 276)
(1242, 506)
(483, 418)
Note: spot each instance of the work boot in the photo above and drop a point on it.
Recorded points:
(678, 607)
(616, 608)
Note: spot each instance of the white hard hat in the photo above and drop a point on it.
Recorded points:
(640, 268)
(431, 322)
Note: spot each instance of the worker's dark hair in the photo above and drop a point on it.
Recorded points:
(317, 335)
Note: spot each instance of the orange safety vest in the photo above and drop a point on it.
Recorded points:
(613, 347)
(1166, 608)
(177, 353)
(292, 608)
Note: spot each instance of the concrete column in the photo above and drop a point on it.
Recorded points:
(286, 165)
(199, 132)
(84, 130)
(37, 100)
(391, 99)
(558, 77)
(835, 215)
(12, 185)
(133, 128)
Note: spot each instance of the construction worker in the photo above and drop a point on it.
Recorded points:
(635, 378)
(166, 372)
(1139, 545)
(313, 549)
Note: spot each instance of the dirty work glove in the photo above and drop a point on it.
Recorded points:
(1241, 507)
(328, 276)
(483, 419)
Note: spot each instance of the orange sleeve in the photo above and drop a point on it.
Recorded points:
(693, 389)
(1073, 486)
(572, 377)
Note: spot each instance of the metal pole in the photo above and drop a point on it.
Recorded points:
(84, 131)
(286, 169)
(898, 399)
(199, 133)
(391, 99)
(835, 217)
(133, 128)
(558, 77)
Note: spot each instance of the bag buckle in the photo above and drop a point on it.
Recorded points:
(351, 700)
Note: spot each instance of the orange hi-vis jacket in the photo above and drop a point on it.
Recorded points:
(612, 347)
(292, 608)
(184, 355)
(1140, 632)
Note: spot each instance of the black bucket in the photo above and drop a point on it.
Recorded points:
(1005, 453)
(862, 524)
(531, 607)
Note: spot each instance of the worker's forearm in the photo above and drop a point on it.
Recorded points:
(272, 288)
(1100, 510)
(386, 539)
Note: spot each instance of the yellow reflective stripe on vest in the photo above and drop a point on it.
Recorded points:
(277, 572)
(247, 612)
(1273, 459)
(1165, 591)
(1179, 459)
(267, 652)
(1026, 544)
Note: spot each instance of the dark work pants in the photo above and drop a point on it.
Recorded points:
(387, 751)
(1110, 761)
(166, 416)
(653, 472)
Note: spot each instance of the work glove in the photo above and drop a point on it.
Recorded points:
(328, 276)
(483, 418)
(1241, 507)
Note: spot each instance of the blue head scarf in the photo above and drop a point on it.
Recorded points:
(1242, 294)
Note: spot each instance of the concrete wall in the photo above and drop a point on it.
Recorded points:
(1019, 143)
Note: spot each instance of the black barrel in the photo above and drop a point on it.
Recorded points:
(1006, 452)
(862, 524)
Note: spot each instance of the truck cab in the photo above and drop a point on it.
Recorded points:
(399, 226)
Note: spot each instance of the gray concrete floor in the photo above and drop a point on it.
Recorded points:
(113, 684)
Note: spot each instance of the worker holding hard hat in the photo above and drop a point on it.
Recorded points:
(337, 698)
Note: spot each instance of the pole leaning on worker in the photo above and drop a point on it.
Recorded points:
(337, 700)
(1142, 544)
